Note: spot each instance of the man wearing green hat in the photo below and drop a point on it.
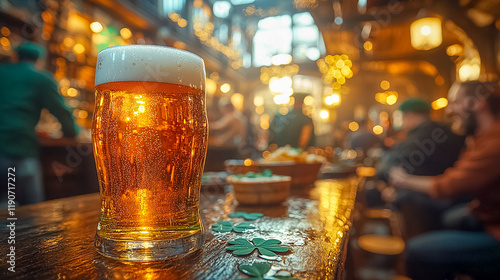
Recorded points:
(24, 92)
(429, 148)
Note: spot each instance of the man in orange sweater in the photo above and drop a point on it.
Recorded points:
(471, 251)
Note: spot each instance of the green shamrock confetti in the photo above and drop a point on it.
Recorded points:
(258, 271)
(267, 173)
(241, 246)
(222, 226)
(242, 227)
(246, 216)
(227, 226)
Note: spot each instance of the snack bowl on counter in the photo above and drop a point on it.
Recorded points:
(303, 168)
(260, 188)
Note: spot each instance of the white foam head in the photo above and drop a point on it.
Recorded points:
(149, 63)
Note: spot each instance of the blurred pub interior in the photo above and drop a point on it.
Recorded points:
(356, 59)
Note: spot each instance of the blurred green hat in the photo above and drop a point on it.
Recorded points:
(415, 105)
(30, 51)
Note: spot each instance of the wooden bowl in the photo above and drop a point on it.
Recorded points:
(303, 174)
(258, 193)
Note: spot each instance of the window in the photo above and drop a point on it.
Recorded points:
(306, 38)
(170, 6)
(281, 34)
(273, 36)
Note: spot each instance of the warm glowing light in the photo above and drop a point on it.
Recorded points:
(5, 31)
(182, 23)
(225, 88)
(259, 109)
(281, 85)
(96, 27)
(353, 126)
(308, 100)
(264, 121)
(258, 100)
(385, 85)
(179, 45)
(439, 103)
(333, 99)
(237, 100)
(281, 59)
(125, 33)
(266, 154)
(425, 30)
(72, 92)
(281, 99)
(82, 114)
(454, 50)
(248, 162)
(79, 48)
(391, 99)
(368, 45)
(211, 86)
(64, 83)
(69, 42)
(345, 71)
(469, 71)
(426, 33)
(4, 41)
(378, 129)
(324, 114)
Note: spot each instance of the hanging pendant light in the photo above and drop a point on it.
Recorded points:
(426, 33)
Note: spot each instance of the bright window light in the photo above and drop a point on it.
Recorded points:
(241, 2)
(221, 9)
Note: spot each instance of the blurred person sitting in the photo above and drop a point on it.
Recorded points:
(295, 128)
(474, 250)
(230, 129)
(25, 91)
(429, 148)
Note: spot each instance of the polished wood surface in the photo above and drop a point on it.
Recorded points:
(54, 239)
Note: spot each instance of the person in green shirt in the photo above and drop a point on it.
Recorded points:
(295, 128)
(24, 92)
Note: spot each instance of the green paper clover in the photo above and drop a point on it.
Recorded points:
(259, 269)
(246, 216)
(242, 227)
(222, 226)
(227, 226)
(242, 247)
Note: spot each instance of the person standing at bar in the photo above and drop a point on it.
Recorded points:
(24, 92)
(294, 128)
(474, 247)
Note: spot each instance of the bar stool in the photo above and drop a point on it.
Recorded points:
(392, 245)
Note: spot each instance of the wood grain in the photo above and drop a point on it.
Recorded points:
(54, 239)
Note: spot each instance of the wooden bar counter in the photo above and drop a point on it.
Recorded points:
(54, 239)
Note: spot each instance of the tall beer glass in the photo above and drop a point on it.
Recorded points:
(149, 137)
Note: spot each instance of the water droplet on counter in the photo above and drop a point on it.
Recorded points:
(283, 273)
(275, 258)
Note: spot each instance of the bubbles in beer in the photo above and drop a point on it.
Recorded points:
(150, 142)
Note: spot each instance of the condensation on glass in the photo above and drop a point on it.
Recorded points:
(150, 138)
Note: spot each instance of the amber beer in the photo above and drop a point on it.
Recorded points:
(150, 138)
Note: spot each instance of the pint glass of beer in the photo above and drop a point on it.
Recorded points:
(149, 137)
